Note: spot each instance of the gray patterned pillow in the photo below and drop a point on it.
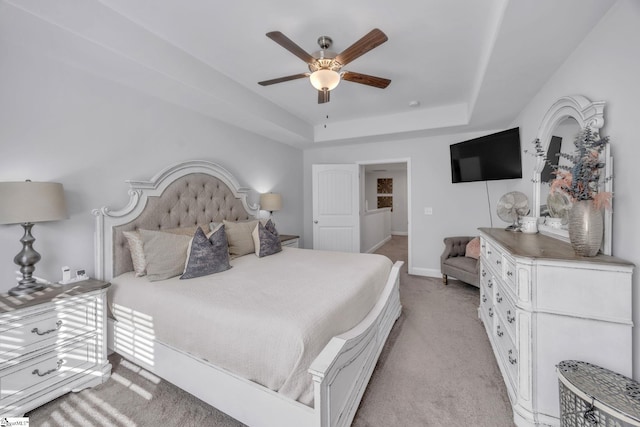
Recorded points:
(266, 239)
(207, 256)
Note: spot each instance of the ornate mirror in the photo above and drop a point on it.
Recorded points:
(559, 127)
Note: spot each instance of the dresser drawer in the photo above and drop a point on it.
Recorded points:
(505, 308)
(493, 256)
(507, 351)
(509, 270)
(53, 327)
(47, 370)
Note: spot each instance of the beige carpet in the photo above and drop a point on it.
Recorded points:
(437, 369)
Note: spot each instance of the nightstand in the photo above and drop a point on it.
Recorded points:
(52, 342)
(289, 240)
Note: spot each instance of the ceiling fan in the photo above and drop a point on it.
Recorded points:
(325, 66)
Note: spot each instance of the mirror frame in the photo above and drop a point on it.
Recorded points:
(586, 113)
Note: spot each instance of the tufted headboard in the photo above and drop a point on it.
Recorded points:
(188, 194)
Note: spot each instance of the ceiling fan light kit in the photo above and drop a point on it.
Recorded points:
(325, 66)
(324, 79)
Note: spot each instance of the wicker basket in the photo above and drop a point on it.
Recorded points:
(593, 396)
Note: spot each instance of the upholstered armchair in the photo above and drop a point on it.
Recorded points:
(453, 261)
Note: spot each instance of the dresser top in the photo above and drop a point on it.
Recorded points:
(539, 246)
(51, 293)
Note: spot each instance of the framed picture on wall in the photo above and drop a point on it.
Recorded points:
(385, 202)
(385, 185)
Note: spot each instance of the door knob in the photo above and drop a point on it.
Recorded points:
(315, 222)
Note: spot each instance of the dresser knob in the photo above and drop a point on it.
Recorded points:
(509, 273)
(499, 331)
(484, 298)
(498, 297)
(512, 360)
(484, 273)
(510, 318)
(490, 283)
(498, 262)
(490, 311)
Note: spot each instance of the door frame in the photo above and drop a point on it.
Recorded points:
(406, 160)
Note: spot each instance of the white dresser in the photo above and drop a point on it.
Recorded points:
(51, 342)
(541, 304)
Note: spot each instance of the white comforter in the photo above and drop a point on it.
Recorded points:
(265, 319)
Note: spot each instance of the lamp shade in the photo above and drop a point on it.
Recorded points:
(324, 79)
(271, 202)
(25, 202)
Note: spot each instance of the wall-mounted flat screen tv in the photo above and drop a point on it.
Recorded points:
(487, 158)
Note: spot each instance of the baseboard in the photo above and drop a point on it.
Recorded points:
(376, 246)
(399, 233)
(428, 272)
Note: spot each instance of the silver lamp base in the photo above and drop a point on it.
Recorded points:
(26, 289)
(26, 259)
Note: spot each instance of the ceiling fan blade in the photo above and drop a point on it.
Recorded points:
(283, 79)
(364, 79)
(373, 39)
(288, 44)
(323, 96)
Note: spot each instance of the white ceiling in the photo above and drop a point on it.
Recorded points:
(470, 64)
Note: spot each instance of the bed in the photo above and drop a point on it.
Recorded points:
(320, 382)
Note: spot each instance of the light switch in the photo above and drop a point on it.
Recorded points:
(428, 211)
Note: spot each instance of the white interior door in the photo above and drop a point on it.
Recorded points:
(336, 207)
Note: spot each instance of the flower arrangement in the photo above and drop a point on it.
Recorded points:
(581, 180)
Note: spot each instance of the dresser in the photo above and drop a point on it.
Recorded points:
(51, 342)
(541, 304)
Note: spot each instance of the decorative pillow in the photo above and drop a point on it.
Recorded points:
(165, 253)
(473, 248)
(239, 237)
(137, 250)
(266, 239)
(207, 255)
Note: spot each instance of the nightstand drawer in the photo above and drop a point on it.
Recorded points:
(47, 370)
(52, 327)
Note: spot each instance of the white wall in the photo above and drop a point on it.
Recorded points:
(375, 229)
(606, 67)
(399, 219)
(58, 123)
(458, 209)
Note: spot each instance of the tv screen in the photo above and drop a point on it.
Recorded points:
(487, 158)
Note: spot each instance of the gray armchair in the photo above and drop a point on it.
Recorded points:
(454, 263)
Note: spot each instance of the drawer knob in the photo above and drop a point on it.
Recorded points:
(488, 252)
(499, 331)
(484, 298)
(498, 297)
(490, 311)
(512, 360)
(37, 371)
(484, 273)
(37, 331)
(490, 283)
(498, 262)
(510, 318)
(509, 273)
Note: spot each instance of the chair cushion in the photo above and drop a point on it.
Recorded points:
(463, 263)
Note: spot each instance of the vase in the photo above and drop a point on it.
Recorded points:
(585, 228)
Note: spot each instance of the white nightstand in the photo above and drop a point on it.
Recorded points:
(51, 342)
(289, 240)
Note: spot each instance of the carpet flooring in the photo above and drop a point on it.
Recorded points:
(436, 369)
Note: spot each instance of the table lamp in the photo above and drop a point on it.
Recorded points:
(271, 202)
(26, 203)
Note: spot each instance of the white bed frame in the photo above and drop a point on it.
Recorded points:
(340, 373)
